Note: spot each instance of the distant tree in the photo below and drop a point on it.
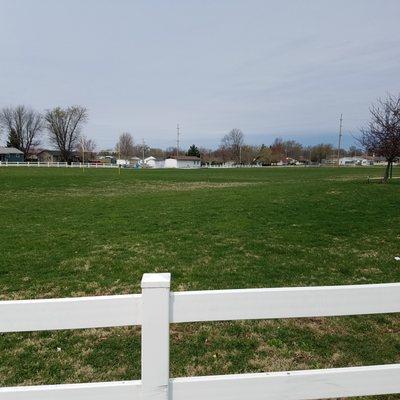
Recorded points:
(306, 154)
(292, 149)
(321, 152)
(142, 150)
(264, 155)
(64, 126)
(193, 151)
(87, 148)
(382, 134)
(355, 151)
(249, 154)
(13, 139)
(23, 126)
(125, 146)
(223, 154)
(233, 142)
(207, 155)
(156, 152)
(171, 151)
(277, 150)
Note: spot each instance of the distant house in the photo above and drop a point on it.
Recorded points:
(182, 162)
(11, 154)
(107, 159)
(150, 162)
(54, 156)
(355, 161)
(49, 156)
(153, 162)
(287, 161)
(122, 162)
(135, 160)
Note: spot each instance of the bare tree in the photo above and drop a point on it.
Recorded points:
(87, 148)
(223, 154)
(233, 142)
(125, 146)
(321, 152)
(64, 127)
(382, 134)
(293, 149)
(156, 152)
(171, 151)
(23, 126)
(249, 154)
(207, 155)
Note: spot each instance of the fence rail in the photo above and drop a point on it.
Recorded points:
(157, 307)
(56, 164)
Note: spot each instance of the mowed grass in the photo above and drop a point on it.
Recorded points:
(65, 232)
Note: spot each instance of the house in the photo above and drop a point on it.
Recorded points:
(49, 156)
(153, 162)
(287, 161)
(150, 162)
(355, 161)
(54, 156)
(11, 154)
(135, 161)
(182, 162)
(107, 159)
(122, 162)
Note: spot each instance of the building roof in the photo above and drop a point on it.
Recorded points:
(10, 150)
(52, 152)
(186, 158)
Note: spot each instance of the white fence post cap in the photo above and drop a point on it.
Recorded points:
(162, 280)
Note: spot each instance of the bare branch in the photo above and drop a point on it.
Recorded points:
(64, 127)
(23, 126)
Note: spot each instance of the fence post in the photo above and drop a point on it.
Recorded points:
(155, 336)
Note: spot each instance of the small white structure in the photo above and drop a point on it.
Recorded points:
(182, 162)
(121, 161)
(152, 162)
(355, 161)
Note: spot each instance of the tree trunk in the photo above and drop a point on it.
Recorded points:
(387, 171)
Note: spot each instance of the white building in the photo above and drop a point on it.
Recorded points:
(355, 161)
(182, 162)
(123, 162)
(152, 162)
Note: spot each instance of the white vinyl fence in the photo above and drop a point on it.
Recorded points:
(56, 164)
(156, 307)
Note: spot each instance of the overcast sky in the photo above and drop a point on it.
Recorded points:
(271, 68)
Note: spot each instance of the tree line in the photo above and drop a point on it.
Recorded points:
(234, 149)
(24, 128)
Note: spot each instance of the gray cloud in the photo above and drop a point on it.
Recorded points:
(272, 68)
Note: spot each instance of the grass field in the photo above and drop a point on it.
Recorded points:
(65, 232)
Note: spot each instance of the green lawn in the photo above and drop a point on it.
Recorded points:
(65, 232)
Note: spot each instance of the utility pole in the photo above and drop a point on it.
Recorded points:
(83, 154)
(340, 139)
(143, 147)
(178, 133)
(119, 158)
